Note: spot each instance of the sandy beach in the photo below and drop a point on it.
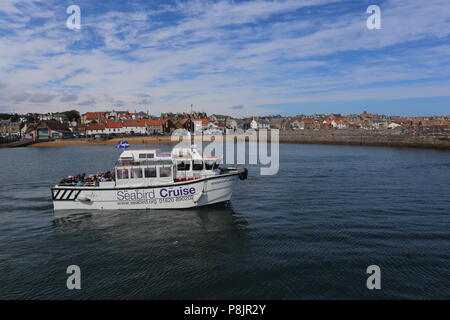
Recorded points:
(114, 141)
(96, 142)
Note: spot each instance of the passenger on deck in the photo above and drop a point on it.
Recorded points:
(93, 179)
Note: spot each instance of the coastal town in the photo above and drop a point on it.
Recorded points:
(34, 128)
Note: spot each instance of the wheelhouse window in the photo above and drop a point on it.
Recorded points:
(122, 174)
(184, 166)
(146, 155)
(150, 172)
(136, 173)
(165, 172)
(197, 166)
(215, 166)
(209, 165)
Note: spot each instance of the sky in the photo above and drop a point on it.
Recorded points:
(242, 58)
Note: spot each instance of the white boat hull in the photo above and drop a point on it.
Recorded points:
(186, 194)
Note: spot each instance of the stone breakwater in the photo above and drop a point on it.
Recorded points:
(389, 138)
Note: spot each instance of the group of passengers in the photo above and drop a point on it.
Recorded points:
(92, 179)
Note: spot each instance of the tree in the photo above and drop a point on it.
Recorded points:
(15, 117)
(73, 115)
(31, 118)
(8, 116)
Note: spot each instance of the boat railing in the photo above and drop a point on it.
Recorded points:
(77, 184)
(121, 163)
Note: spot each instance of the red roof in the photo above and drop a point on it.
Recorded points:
(98, 118)
(94, 115)
(114, 124)
(137, 123)
(204, 121)
(182, 121)
(155, 122)
(95, 127)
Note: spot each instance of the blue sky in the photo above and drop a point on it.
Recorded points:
(241, 58)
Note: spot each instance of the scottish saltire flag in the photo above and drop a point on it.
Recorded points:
(122, 145)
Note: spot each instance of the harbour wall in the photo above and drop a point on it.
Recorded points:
(367, 138)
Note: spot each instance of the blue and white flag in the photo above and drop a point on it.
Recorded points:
(122, 145)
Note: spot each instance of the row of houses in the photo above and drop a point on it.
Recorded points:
(103, 116)
(54, 129)
(8, 127)
(107, 123)
(57, 125)
(110, 122)
(383, 124)
(103, 125)
(58, 116)
(141, 126)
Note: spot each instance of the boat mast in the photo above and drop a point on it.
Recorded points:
(192, 131)
(191, 127)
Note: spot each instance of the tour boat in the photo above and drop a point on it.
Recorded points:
(151, 179)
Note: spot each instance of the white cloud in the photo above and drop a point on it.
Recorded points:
(69, 98)
(41, 97)
(222, 54)
(89, 102)
(17, 97)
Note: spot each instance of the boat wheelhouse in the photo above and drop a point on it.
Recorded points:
(151, 179)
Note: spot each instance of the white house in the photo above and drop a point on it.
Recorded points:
(231, 123)
(138, 126)
(155, 126)
(93, 129)
(141, 126)
(393, 125)
(339, 124)
(263, 124)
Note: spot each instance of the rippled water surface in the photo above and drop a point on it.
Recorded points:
(307, 233)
